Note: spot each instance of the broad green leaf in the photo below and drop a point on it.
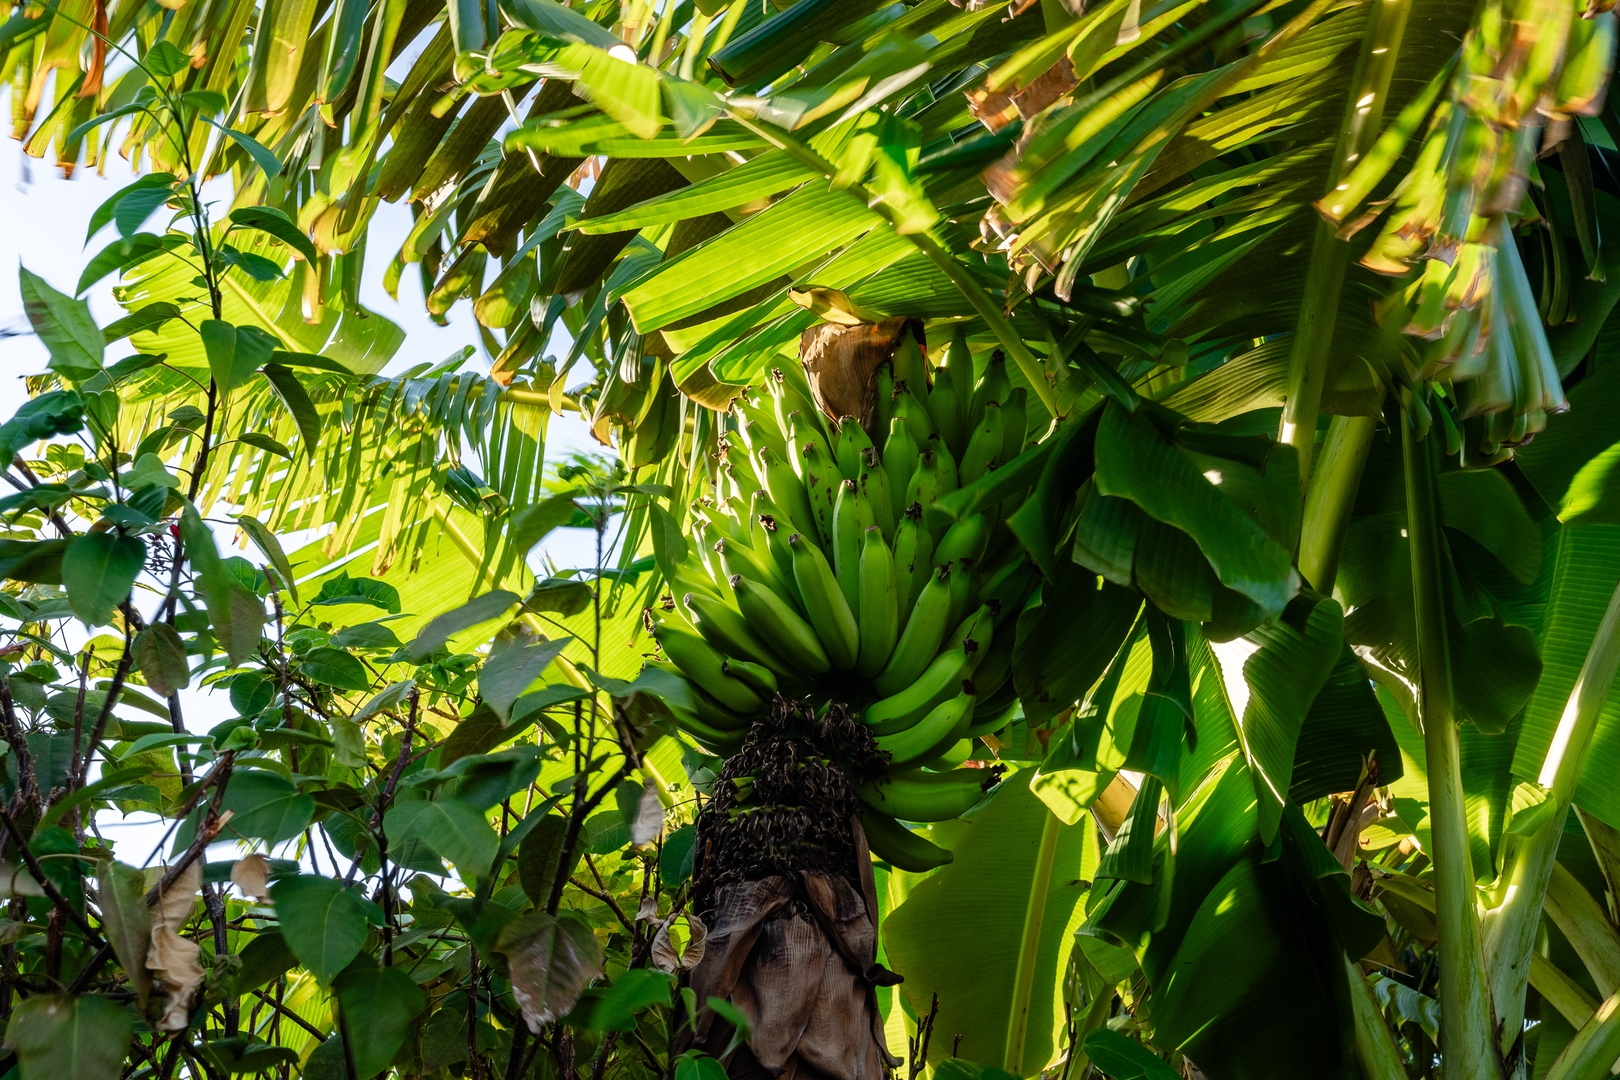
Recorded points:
(615, 1007)
(758, 178)
(335, 668)
(1594, 495)
(1066, 640)
(540, 856)
(55, 412)
(379, 1006)
(696, 1065)
(512, 667)
(942, 926)
(450, 828)
(234, 352)
(267, 806)
(322, 921)
(99, 570)
(809, 223)
(65, 327)
(161, 657)
(550, 960)
(297, 401)
(1284, 677)
(1138, 460)
(268, 219)
(1122, 1058)
(532, 524)
(563, 596)
(439, 630)
(164, 59)
(266, 542)
(115, 256)
(62, 1037)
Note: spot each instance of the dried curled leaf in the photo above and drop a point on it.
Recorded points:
(550, 960)
(172, 959)
(680, 943)
(649, 821)
(251, 874)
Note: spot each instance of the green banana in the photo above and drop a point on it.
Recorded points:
(994, 386)
(803, 434)
(900, 453)
(945, 463)
(1014, 426)
(913, 560)
(719, 739)
(705, 707)
(961, 587)
(758, 677)
(874, 484)
(706, 668)
(975, 635)
(964, 540)
(944, 678)
(853, 443)
(777, 623)
(946, 407)
(786, 490)
(789, 397)
(944, 725)
(879, 618)
(741, 468)
(909, 408)
(983, 451)
(758, 427)
(899, 846)
(728, 629)
(914, 795)
(925, 487)
(919, 641)
(883, 401)
(742, 559)
(768, 538)
(846, 542)
(994, 712)
(950, 759)
(820, 477)
(908, 362)
(824, 602)
(1006, 584)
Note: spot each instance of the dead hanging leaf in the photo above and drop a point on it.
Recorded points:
(550, 961)
(98, 53)
(841, 362)
(172, 959)
(680, 943)
(251, 874)
(648, 908)
(15, 881)
(649, 820)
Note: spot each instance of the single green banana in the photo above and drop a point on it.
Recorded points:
(900, 454)
(719, 519)
(961, 587)
(742, 559)
(914, 795)
(898, 846)
(944, 725)
(943, 679)
(994, 386)
(824, 602)
(945, 462)
(758, 426)
(975, 635)
(787, 491)
(910, 408)
(789, 396)
(965, 539)
(778, 624)
(822, 483)
(721, 740)
(959, 359)
(920, 640)
(946, 407)
(846, 542)
(1014, 425)
(908, 362)
(728, 630)
(913, 560)
(879, 618)
(853, 443)
(803, 433)
(768, 537)
(874, 483)
(760, 678)
(994, 712)
(742, 468)
(983, 451)
(883, 401)
(925, 488)
(949, 759)
(705, 667)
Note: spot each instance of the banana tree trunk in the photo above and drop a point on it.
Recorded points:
(783, 879)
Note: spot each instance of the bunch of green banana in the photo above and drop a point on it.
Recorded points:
(814, 570)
